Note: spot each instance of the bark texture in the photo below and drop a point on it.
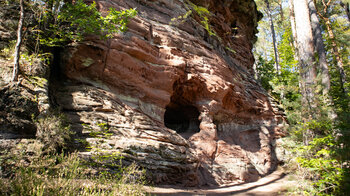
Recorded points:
(335, 49)
(18, 43)
(339, 61)
(318, 42)
(281, 9)
(307, 67)
(292, 25)
(273, 33)
(306, 50)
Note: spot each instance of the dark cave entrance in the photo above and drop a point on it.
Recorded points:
(182, 118)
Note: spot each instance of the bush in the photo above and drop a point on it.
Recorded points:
(321, 166)
(61, 174)
(54, 132)
(73, 21)
(34, 168)
(324, 169)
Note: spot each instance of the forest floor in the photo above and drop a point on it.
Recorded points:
(276, 183)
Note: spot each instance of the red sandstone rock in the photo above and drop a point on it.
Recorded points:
(221, 124)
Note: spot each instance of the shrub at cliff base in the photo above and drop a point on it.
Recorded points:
(65, 174)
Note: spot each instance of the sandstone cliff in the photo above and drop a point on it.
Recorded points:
(180, 102)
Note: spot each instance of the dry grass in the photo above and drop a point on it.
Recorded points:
(65, 175)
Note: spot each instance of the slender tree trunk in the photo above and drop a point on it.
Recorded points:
(18, 43)
(347, 9)
(296, 53)
(306, 60)
(318, 42)
(281, 9)
(292, 25)
(339, 60)
(273, 35)
(255, 68)
(322, 59)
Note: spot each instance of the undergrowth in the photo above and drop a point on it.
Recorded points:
(33, 166)
(322, 166)
(66, 174)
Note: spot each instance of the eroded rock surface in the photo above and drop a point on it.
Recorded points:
(181, 103)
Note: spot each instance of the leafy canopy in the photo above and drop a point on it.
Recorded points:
(74, 21)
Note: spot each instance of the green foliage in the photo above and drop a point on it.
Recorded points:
(102, 131)
(181, 18)
(30, 64)
(266, 72)
(286, 51)
(61, 174)
(28, 169)
(324, 162)
(323, 159)
(203, 14)
(8, 51)
(326, 171)
(53, 131)
(108, 160)
(340, 26)
(38, 81)
(35, 66)
(283, 86)
(319, 166)
(75, 20)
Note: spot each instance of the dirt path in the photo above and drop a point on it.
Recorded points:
(273, 184)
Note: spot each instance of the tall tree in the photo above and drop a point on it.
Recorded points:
(335, 49)
(272, 26)
(18, 43)
(292, 25)
(281, 9)
(319, 46)
(306, 60)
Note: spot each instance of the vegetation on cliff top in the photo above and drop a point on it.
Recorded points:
(57, 23)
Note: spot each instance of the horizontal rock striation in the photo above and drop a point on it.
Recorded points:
(179, 101)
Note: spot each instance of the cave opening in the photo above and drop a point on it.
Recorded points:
(182, 118)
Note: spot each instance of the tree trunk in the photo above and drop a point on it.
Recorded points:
(292, 25)
(318, 42)
(306, 60)
(273, 35)
(339, 60)
(18, 43)
(256, 74)
(322, 59)
(347, 9)
(281, 10)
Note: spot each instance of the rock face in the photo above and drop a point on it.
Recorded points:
(180, 102)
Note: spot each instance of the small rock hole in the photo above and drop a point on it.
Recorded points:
(182, 118)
